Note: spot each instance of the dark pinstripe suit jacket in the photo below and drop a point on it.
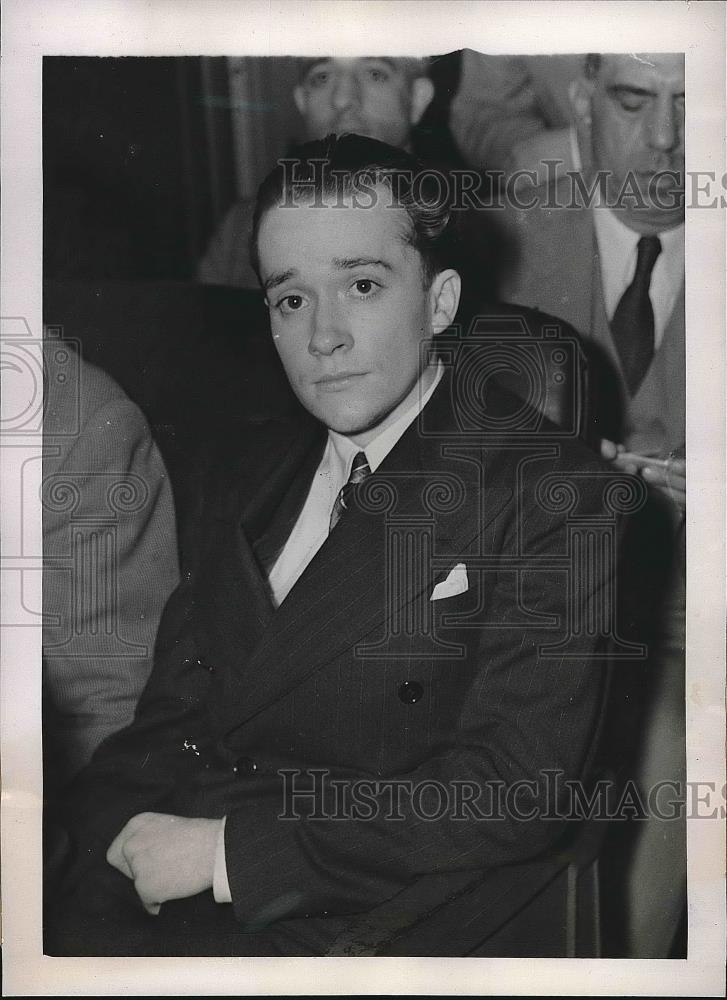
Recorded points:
(359, 675)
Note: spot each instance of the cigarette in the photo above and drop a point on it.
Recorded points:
(629, 456)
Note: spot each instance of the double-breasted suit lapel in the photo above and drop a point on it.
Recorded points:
(254, 504)
(345, 593)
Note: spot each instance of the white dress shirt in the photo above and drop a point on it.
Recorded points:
(310, 532)
(575, 150)
(311, 528)
(617, 248)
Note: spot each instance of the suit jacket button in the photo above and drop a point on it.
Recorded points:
(195, 661)
(245, 767)
(410, 692)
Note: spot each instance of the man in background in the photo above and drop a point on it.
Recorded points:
(109, 559)
(607, 254)
(380, 97)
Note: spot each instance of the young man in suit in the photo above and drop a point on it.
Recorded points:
(378, 610)
(604, 249)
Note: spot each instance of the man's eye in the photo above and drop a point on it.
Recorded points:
(365, 286)
(319, 79)
(290, 303)
(630, 101)
(378, 75)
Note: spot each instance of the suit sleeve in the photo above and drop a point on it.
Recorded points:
(136, 768)
(524, 714)
(156, 758)
(109, 567)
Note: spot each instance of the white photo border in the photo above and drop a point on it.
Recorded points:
(33, 28)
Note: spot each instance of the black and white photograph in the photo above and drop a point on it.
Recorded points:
(363, 460)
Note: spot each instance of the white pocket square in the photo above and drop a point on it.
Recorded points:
(456, 583)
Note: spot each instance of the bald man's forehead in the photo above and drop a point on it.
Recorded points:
(643, 69)
(397, 64)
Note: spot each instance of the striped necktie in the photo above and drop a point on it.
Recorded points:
(632, 326)
(360, 470)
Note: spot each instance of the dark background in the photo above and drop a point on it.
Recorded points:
(139, 159)
(130, 166)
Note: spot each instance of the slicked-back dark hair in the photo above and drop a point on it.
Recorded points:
(346, 164)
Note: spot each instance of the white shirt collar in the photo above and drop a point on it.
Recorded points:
(311, 528)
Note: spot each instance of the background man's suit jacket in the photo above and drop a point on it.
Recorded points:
(110, 559)
(558, 270)
(346, 677)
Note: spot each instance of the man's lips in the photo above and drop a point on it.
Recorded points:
(337, 381)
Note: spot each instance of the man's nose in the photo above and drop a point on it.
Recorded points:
(346, 90)
(665, 125)
(331, 332)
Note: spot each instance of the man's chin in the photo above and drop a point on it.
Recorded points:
(652, 220)
(648, 191)
(333, 412)
(350, 424)
(349, 427)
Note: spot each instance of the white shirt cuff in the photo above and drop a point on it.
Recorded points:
(220, 883)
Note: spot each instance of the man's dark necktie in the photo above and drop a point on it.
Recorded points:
(360, 470)
(632, 326)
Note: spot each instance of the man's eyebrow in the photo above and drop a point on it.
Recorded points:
(278, 278)
(391, 63)
(349, 263)
(630, 88)
(326, 60)
(341, 263)
(315, 64)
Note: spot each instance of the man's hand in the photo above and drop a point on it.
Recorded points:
(666, 474)
(671, 479)
(168, 857)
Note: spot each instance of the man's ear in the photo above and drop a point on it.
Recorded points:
(580, 92)
(301, 100)
(444, 299)
(422, 92)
